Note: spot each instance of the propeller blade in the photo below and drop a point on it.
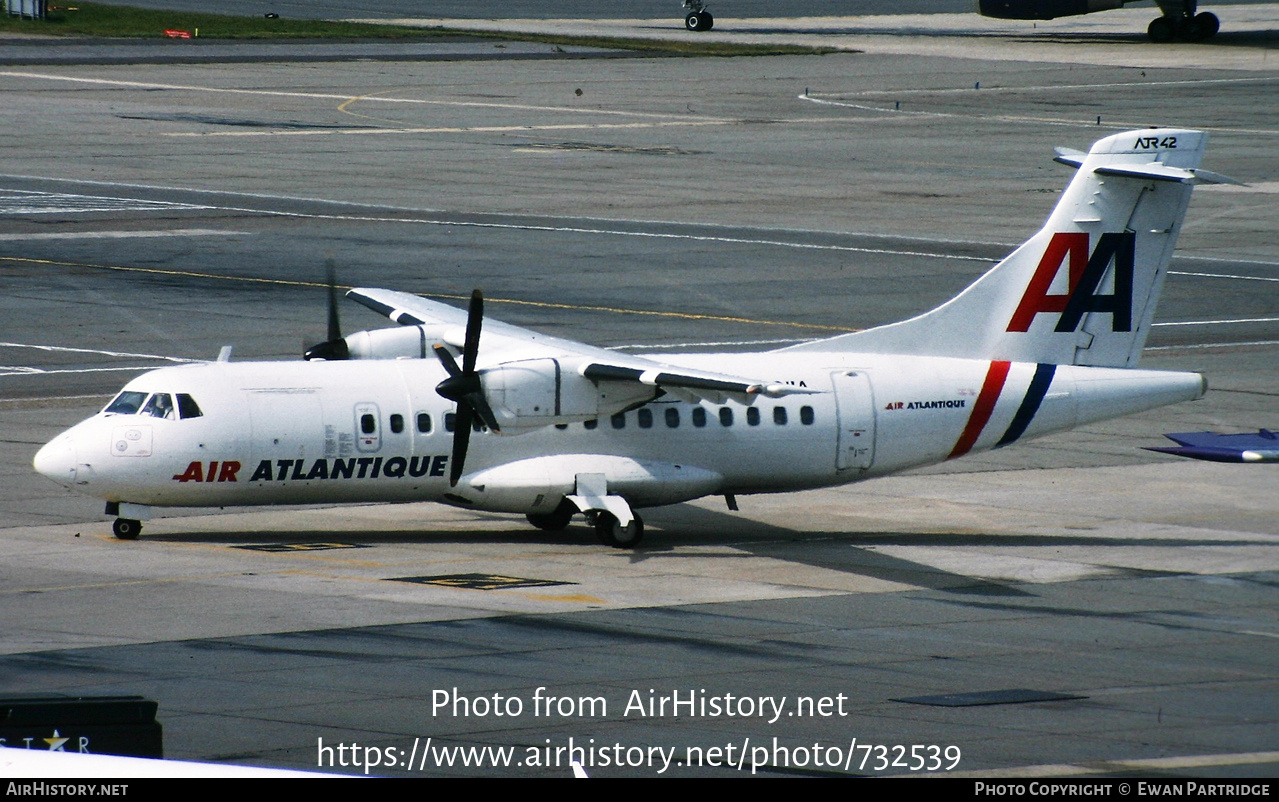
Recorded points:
(461, 440)
(463, 386)
(481, 406)
(335, 346)
(474, 321)
(446, 359)
(335, 327)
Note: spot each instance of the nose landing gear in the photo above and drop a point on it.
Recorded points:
(126, 528)
(698, 18)
(129, 523)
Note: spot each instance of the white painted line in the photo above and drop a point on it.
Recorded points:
(479, 129)
(1058, 87)
(15, 370)
(78, 235)
(68, 350)
(28, 399)
(1071, 122)
(1221, 275)
(1217, 322)
(14, 201)
(603, 231)
(666, 346)
(579, 218)
(1211, 345)
(1231, 261)
(579, 229)
(908, 113)
(345, 98)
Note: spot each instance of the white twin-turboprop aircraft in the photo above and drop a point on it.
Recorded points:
(548, 427)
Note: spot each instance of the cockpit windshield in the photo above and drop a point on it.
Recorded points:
(157, 405)
(126, 403)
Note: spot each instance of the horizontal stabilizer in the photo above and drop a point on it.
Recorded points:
(1260, 447)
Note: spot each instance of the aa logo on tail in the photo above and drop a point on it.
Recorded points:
(1086, 273)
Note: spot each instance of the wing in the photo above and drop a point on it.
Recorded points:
(503, 344)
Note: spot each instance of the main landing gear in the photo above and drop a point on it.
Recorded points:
(556, 521)
(698, 18)
(607, 528)
(1180, 22)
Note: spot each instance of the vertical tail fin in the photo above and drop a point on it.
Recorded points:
(1081, 291)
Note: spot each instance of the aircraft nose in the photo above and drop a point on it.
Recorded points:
(57, 460)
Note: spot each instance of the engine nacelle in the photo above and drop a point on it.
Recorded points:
(532, 393)
(525, 394)
(399, 343)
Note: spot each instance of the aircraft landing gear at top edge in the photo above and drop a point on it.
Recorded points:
(126, 528)
(1180, 22)
(698, 18)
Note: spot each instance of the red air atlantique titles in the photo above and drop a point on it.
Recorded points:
(307, 470)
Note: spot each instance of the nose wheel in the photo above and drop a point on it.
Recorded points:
(698, 18)
(127, 528)
(699, 21)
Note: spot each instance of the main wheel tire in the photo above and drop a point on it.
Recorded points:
(127, 528)
(1208, 24)
(1190, 30)
(708, 21)
(693, 22)
(1161, 29)
(611, 533)
(555, 521)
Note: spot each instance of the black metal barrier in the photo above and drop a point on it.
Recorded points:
(102, 725)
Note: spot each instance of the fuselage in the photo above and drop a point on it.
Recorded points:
(252, 433)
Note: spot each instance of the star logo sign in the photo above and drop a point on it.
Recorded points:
(57, 743)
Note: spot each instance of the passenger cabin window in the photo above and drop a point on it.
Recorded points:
(672, 417)
(618, 421)
(126, 403)
(725, 416)
(779, 416)
(187, 407)
(752, 416)
(368, 424)
(806, 416)
(424, 423)
(590, 424)
(397, 423)
(645, 418)
(160, 405)
(699, 416)
(450, 422)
